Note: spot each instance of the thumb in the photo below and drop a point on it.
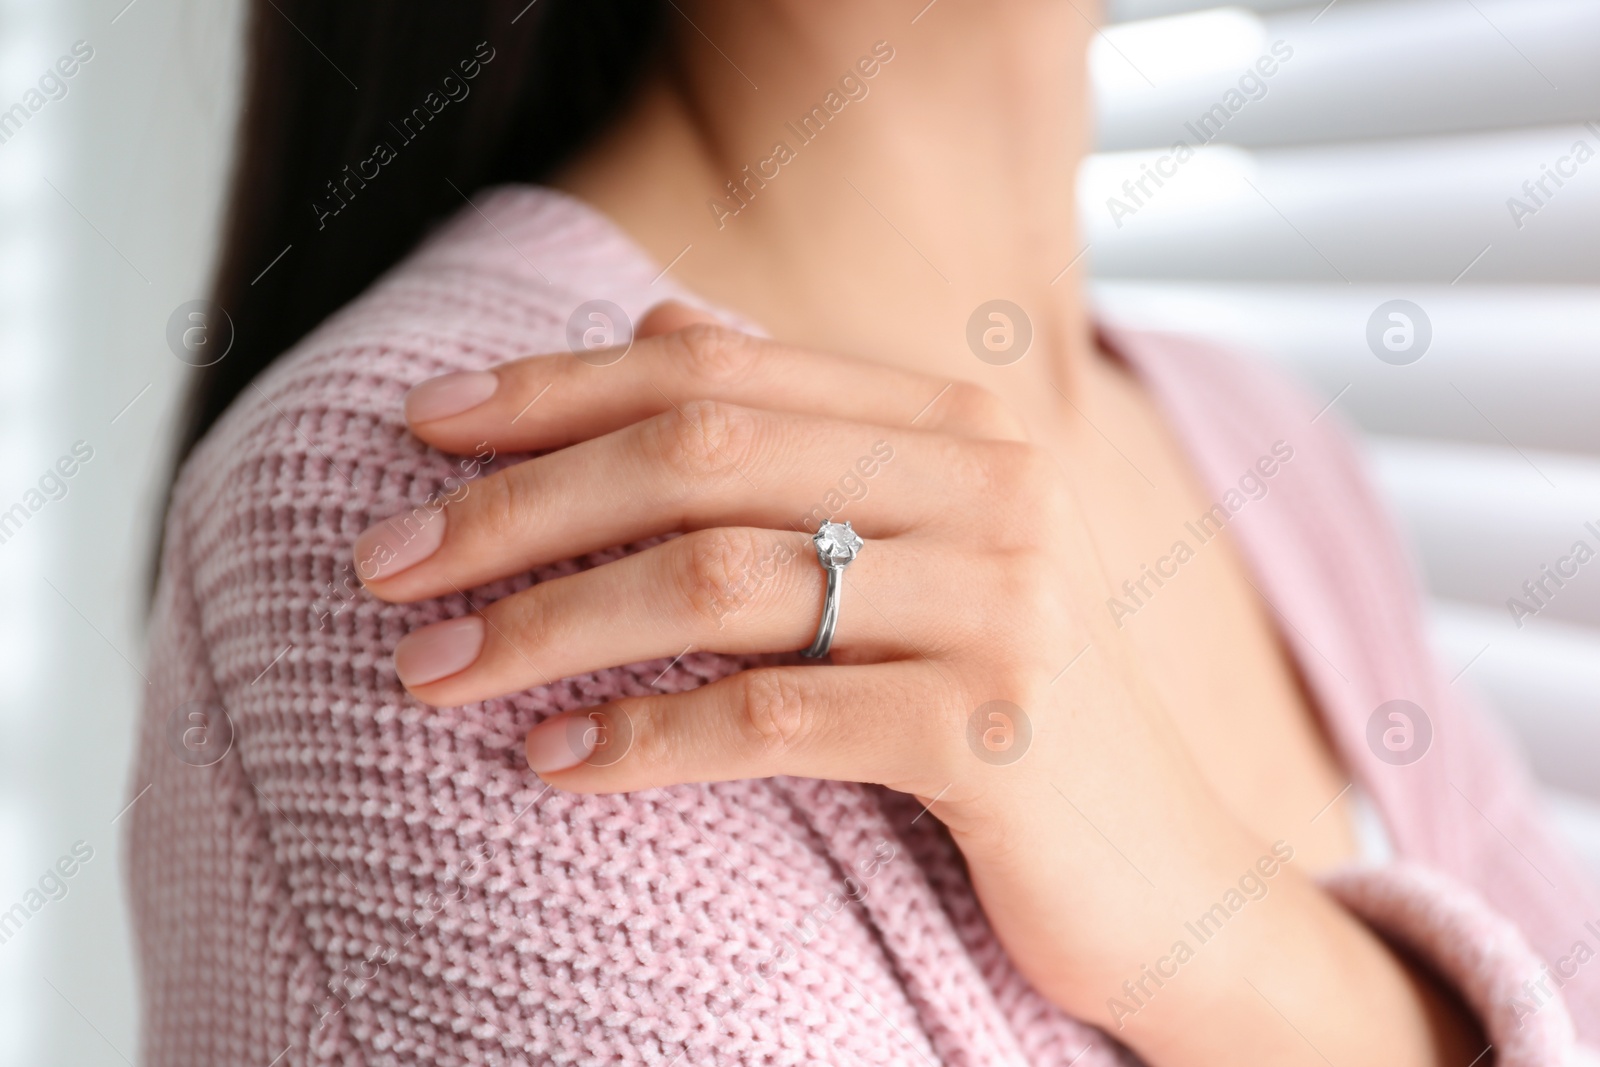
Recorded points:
(669, 316)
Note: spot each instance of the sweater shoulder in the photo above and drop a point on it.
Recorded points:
(499, 280)
(316, 448)
(324, 422)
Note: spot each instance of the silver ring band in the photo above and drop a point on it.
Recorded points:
(837, 547)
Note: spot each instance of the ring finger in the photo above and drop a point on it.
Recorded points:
(708, 465)
(728, 590)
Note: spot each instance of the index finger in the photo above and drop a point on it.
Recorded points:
(550, 401)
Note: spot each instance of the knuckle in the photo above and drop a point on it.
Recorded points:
(716, 354)
(1032, 618)
(714, 570)
(976, 408)
(1022, 476)
(504, 506)
(539, 609)
(1034, 607)
(1029, 469)
(1003, 472)
(705, 438)
(773, 712)
(1024, 605)
(1054, 510)
(653, 750)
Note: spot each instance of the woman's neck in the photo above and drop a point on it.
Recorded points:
(926, 168)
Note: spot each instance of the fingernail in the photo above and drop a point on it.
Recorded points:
(559, 743)
(438, 651)
(449, 394)
(398, 542)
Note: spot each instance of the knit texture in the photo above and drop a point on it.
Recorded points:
(325, 871)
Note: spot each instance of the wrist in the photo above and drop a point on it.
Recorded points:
(1213, 929)
(1293, 978)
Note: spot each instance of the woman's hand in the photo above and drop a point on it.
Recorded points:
(972, 667)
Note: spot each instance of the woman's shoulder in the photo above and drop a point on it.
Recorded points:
(411, 870)
(316, 448)
(506, 277)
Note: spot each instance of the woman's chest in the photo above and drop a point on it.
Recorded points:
(1181, 596)
(1211, 647)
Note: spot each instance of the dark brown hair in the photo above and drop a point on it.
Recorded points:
(465, 93)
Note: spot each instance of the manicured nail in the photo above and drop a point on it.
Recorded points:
(449, 394)
(398, 542)
(559, 743)
(438, 651)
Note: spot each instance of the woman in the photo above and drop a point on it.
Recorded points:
(1127, 749)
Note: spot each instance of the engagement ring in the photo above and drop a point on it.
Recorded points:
(837, 545)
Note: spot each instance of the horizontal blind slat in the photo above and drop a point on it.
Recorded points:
(1429, 210)
(1364, 70)
(1511, 363)
(1491, 530)
(1544, 682)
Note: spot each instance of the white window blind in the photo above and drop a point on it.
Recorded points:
(1318, 161)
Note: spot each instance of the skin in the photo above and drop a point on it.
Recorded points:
(1169, 758)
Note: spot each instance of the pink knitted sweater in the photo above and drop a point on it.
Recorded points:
(328, 872)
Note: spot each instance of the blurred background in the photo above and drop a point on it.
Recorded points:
(1403, 214)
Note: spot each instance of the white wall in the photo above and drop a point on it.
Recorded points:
(107, 205)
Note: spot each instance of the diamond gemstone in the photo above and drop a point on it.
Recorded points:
(837, 544)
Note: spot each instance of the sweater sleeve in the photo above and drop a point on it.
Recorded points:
(1482, 956)
(221, 954)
